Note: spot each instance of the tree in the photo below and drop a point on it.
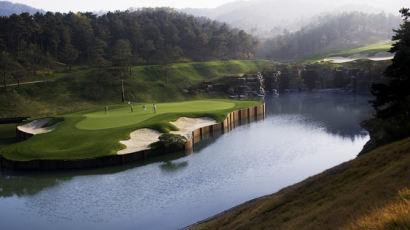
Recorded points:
(392, 103)
(97, 53)
(149, 36)
(122, 58)
(122, 53)
(393, 98)
(7, 66)
(69, 55)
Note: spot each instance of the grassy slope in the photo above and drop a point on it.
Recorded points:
(370, 50)
(367, 191)
(91, 133)
(148, 83)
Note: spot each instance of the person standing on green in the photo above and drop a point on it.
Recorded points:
(154, 107)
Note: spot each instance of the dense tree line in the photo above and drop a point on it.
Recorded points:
(147, 36)
(392, 98)
(331, 33)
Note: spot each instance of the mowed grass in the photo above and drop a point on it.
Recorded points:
(87, 88)
(92, 133)
(369, 50)
(123, 116)
(369, 192)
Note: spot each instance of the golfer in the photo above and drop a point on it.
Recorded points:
(155, 108)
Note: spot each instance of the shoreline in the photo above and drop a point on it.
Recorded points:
(233, 120)
(271, 206)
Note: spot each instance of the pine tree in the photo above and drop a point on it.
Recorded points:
(393, 98)
(392, 103)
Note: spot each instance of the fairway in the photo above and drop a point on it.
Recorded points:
(123, 116)
(92, 133)
(367, 50)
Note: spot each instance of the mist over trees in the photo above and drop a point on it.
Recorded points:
(269, 18)
(148, 36)
(331, 33)
(9, 8)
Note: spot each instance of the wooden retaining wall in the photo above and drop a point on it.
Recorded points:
(233, 120)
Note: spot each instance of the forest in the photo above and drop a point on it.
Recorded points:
(144, 36)
(330, 33)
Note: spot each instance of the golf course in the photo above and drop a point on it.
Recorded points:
(97, 132)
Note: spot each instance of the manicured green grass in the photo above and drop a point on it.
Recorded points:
(92, 133)
(90, 88)
(122, 116)
(370, 50)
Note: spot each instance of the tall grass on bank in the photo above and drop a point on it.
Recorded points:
(391, 217)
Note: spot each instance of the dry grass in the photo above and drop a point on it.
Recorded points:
(331, 200)
(393, 216)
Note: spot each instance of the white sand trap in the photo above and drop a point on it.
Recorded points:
(382, 56)
(140, 140)
(35, 127)
(187, 125)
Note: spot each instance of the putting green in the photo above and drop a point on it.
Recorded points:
(92, 133)
(123, 116)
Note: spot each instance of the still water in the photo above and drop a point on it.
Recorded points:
(303, 134)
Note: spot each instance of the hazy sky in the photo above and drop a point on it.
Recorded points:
(96, 5)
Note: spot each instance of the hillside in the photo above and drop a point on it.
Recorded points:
(330, 34)
(86, 88)
(9, 8)
(268, 18)
(123, 38)
(369, 192)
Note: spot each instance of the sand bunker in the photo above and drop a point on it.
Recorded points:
(378, 57)
(187, 125)
(140, 140)
(36, 126)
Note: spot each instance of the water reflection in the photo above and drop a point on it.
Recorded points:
(173, 166)
(339, 114)
(303, 134)
(15, 183)
(27, 185)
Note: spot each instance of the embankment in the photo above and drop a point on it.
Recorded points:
(353, 195)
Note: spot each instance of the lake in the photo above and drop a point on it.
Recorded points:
(303, 134)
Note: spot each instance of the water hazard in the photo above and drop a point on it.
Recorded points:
(303, 134)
